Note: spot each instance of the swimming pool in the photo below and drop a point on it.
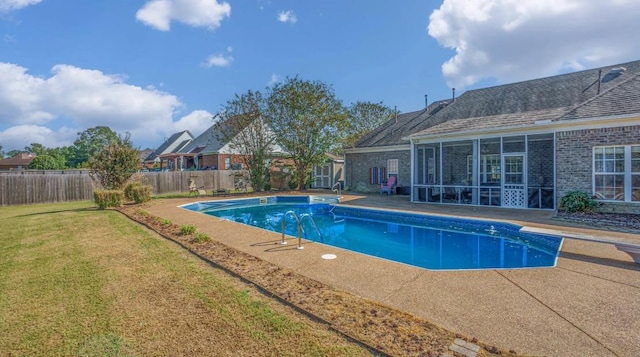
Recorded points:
(426, 241)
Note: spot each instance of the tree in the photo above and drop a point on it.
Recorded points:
(305, 117)
(1, 152)
(243, 127)
(112, 166)
(364, 117)
(44, 162)
(89, 142)
(36, 149)
(13, 153)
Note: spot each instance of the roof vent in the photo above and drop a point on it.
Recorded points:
(613, 74)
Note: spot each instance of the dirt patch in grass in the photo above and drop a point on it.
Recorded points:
(383, 329)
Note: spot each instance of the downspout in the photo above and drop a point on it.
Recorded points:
(412, 168)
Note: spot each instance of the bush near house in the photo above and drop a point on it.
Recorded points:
(577, 201)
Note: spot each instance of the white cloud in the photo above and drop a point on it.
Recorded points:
(287, 16)
(274, 79)
(196, 122)
(83, 98)
(20, 136)
(515, 40)
(197, 13)
(10, 5)
(218, 60)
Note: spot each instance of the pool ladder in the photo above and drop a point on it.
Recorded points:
(301, 230)
(336, 188)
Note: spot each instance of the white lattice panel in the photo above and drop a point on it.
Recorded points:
(513, 197)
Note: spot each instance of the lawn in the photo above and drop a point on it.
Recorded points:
(78, 281)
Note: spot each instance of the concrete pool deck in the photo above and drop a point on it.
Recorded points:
(588, 305)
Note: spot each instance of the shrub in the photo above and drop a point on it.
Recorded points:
(128, 190)
(165, 222)
(187, 229)
(267, 187)
(142, 194)
(108, 198)
(576, 201)
(201, 238)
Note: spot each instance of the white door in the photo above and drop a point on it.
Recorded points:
(514, 193)
(322, 176)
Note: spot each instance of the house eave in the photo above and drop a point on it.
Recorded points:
(539, 127)
(402, 147)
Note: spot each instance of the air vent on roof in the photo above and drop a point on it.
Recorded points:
(613, 74)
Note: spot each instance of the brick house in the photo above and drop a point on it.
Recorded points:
(520, 145)
(18, 162)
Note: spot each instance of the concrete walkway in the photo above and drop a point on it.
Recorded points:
(589, 305)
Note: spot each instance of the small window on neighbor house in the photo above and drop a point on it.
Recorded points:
(227, 163)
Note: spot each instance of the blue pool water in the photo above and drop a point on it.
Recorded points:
(431, 242)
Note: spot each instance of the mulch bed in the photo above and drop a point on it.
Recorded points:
(381, 329)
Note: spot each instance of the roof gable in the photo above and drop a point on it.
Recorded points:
(174, 143)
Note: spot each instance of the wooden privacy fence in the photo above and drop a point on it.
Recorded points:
(18, 188)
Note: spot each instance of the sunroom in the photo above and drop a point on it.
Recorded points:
(514, 171)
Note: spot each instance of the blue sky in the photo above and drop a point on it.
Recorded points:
(156, 67)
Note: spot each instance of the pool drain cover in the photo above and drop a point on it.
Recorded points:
(329, 256)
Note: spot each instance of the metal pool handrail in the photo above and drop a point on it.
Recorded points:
(336, 188)
(300, 227)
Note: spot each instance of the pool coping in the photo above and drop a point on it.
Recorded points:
(565, 310)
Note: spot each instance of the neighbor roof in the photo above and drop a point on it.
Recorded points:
(163, 149)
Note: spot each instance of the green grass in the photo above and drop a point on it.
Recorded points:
(76, 281)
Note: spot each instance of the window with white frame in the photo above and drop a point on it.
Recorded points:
(392, 167)
(616, 173)
(490, 169)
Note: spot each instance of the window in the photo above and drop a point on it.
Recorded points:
(490, 169)
(635, 173)
(227, 163)
(616, 171)
(392, 167)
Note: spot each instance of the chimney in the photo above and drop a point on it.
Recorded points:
(395, 109)
(426, 102)
(453, 98)
(599, 79)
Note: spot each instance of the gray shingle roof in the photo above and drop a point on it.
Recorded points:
(620, 100)
(207, 142)
(162, 148)
(392, 131)
(567, 96)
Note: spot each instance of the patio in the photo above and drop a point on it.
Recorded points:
(586, 306)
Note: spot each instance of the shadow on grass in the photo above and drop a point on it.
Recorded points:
(85, 209)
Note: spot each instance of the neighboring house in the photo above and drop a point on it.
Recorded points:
(18, 162)
(176, 142)
(144, 154)
(527, 144)
(207, 152)
(327, 175)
